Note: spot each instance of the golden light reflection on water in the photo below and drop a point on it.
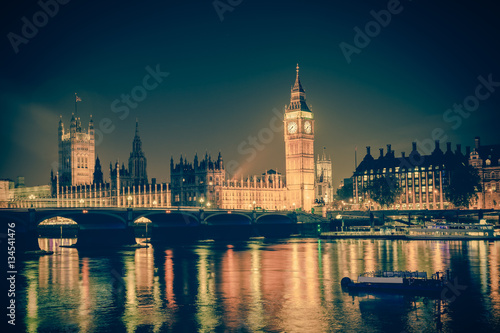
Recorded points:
(290, 286)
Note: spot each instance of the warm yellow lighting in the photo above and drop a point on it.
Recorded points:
(229, 212)
(208, 204)
(154, 202)
(167, 211)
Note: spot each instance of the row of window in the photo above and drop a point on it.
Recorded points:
(404, 170)
(82, 162)
(491, 175)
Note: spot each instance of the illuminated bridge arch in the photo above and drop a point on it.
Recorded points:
(91, 220)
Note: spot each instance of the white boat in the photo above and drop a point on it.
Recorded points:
(457, 231)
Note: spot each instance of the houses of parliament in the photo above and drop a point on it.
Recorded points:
(79, 180)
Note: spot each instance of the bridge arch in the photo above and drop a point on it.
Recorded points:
(89, 220)
(273, 219)
(224, 218)
(171, 219)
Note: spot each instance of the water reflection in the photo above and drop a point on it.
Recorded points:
(290, 285)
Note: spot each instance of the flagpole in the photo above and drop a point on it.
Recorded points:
(355, 157)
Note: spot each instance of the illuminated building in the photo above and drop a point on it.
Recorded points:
(486, 159)
(80, 182)
(267, 191)
(126, 188)
(299, 149)
(192, 182)
(200, 184)
(422, 178)
(204, 184)
(76, 153)
(136, 174)
(324, 179)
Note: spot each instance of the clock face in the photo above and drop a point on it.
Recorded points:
(292, 127)
(307, 127)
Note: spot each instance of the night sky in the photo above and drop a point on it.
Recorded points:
(226, 76)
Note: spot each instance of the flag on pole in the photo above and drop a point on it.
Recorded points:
(78, 99)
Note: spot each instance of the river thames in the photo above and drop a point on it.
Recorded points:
(286, 285)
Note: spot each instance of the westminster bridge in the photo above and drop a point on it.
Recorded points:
(114, 227)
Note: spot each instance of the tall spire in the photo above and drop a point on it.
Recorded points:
(298, 96)
(137, 144)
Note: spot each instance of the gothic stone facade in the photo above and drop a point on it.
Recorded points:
(76, 153)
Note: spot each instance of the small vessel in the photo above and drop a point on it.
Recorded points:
(399, 281)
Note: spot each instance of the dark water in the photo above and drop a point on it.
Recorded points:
(290, 285)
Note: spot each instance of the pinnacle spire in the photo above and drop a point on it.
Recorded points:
(297, 86)
(298, 96)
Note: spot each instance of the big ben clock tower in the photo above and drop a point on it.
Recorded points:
(299, 149)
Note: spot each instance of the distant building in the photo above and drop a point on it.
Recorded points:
(324, 179)
(126, 188)
(422, 178)
(200, 180)
(79, 181)
(204, 184)
(486, 159)
(19, 195)
(136, 174)
(267, 191)
(4, 193)
(98, 176)
(76, 153)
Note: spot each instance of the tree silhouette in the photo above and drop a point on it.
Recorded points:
(465, 182)
(384, 190)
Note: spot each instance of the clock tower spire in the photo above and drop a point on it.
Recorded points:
(299, 149)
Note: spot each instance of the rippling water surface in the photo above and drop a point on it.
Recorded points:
(290, 285)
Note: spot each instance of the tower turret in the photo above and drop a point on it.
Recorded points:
(98, 178)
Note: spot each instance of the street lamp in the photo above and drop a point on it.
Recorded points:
(293, 206)
(81, 202)
(31, 197)
(154, 203)
(208, 204)
(253, 203)
(201, 202)
(129, 199)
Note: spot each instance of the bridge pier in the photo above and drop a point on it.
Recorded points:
(105, 238)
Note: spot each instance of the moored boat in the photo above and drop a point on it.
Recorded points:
(454, 231)
(399, 282)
